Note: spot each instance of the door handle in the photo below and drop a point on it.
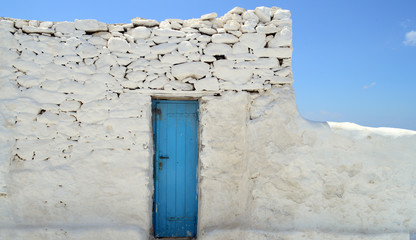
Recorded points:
(163, 157)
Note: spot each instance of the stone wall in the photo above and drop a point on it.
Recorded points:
(76, 150)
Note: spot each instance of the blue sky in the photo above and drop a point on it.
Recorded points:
(352, 61)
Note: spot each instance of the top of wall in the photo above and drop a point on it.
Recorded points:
(244, 50)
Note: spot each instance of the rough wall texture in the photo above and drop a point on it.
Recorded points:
(76, 151)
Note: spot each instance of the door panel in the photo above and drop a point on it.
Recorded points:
(175, 128)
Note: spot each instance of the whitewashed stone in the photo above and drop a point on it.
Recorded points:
(253, 40)
(263, 13)
(103, 35)
(250, 16)
(164, 25)
(7, 25)
(224, 38)
(136, 76)
(31, 29)
(159, 82)
(267, 29)
(236, 76)
(118, 45)
(29, 81)
(209, 16)
(239, 48)
(282, 38)
(175, 25)
(97, 41)
(34, 23)
(280, 80)
(237, 10)
(207, 58)
(69, 105)
(189, 30)
(19, 23)
(141, 49)
(87, 50)
(217, 49)
(247, 29)
(168, 33)
(273, 52)
(232, 25)
(186, 47)
(281, 14)
(208, 84)
(195, 56)
(203, 38)
(46, 24)
(160, 39)
(208, 31)
(173, 58)
(164, 48)
(242, 57)
(193, 69)
(144, 22)
(236, 33)
(177, 85)
(90, 25)
(284, 72)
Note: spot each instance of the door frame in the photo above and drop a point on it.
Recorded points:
(198, 192)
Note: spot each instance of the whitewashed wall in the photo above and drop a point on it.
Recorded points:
(76, 143)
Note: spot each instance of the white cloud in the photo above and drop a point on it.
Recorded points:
(370, 85)
(410, 38)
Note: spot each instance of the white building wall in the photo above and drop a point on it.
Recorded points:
(76, 150)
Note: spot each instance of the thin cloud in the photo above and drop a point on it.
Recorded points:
(410, 39)
(370, 85)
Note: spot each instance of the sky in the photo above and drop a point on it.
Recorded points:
(353, 60)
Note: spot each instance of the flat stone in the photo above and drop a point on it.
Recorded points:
(208, 84)
(273, 52)
(87, 50)
(224, 38)
(140, 33)
(193, 69)
(279, 80)
(136, 76)
(7, 25)
(186, 47)
(263, 13)
(281, 14)
(46, 24)
(207, 58)
(168, 33)
(253, 40)
(208, 31)
(282, 38)
(65, 27)
(163, 48)
(159, 82)
(232, 25)
(30, 29)
(237, 10)
(144, 22)
(141, 49)
(251, 16)
(267, 29)
(97, 41)
(173, 58)
(236, 76)
(209, 16)
(217, 49)
(118, 45)
(90, 25)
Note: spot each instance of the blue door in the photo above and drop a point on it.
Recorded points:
(175, 129)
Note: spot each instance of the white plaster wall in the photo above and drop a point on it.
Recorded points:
(76, 158)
